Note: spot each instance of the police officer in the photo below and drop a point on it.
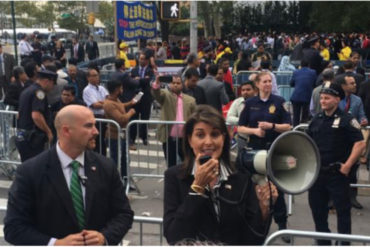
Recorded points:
(264, 117)
(34, 116)
(312, 55)
(340, 142)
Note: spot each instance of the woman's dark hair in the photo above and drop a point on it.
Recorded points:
(17, 71)
(209, 115)
(113, 85)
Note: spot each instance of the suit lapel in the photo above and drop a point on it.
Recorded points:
(91, 172)
(58, 181)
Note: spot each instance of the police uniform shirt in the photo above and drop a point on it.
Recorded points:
(334, 135)
(33, 98)
(256, 110)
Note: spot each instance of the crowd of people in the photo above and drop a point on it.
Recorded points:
(215, 201)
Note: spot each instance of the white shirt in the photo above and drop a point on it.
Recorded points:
(65, 160)
(93, 94)
(235, 110)
(25, 49)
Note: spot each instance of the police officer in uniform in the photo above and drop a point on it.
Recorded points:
(34, 116)
(337, 135)
(312, 55)
(264, 117)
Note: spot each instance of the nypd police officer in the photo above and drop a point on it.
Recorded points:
(264, 117)
(34, 116)
(337, 135)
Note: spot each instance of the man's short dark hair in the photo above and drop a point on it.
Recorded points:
(213, 69)
(328, 74)
(17, 71)
(248, 83)
(265, 64)
(191, 72)
(119, 62)
(191, 58)
(30, 69)
(70, 88)
(222, 60)
(94, 65)
(348, 65)
(305, 63)
(112, 85)
(89, 69)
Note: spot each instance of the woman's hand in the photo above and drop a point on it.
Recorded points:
(259, 132)
(263, 195)
(265, 125)
(206, 173)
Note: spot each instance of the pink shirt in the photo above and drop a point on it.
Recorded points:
(177, 129)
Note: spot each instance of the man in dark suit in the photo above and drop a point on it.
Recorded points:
(6, 70)
(77, 51)
(76, 78)
(191, 88)
(68, 195)
(144, 74)
(92, 48)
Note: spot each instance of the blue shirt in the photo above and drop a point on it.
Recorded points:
(356, 108)
(257, 110)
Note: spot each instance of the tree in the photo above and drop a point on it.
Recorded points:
(105, 16)
(76, 18)
(45, 14)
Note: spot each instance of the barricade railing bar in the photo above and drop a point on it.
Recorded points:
(316, 235)
(149, 220)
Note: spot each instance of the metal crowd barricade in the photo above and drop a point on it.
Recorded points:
(101, 122)
(149, 220)
(285, 91)
(149, 161)
(316, 235)
(9, 156)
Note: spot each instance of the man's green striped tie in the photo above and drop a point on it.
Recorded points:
(76, 193)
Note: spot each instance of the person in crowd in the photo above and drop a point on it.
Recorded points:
(31, 68)
(248, 90)
(264, 117)
(356, 60)
(215, 91)
(285, 64)
(303, 81)
(191, 88)
(256, 57)
(243, 63)
(345, 52)
(60, 53)
(114, 109)
(37, 49)
(7, 64)
(131, 87)
(150, 54)
(67, 97)
(349, 70)
(192, 61)
(312, 55)
(175, 51)
(339, 140)
(144, 74)
(34, 116)
(212, 201)
(16, 87)
(162, 51)
(224, 64)
(51, 46)
(76, 78)
(94, 95)
(228, 89)
(184, 48)
(175, 106)
(80, 199)
(206, 60)
(77, 51)
(352, 104)
(123, 50)
(324, 51)
(225, 53)
(25, 48)
(327, 77)
(54, 94)
(364, 93)
(92, 48)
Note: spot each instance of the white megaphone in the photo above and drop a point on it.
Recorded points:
(292, 162)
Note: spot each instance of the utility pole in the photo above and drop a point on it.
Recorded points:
(14, 32)
(193, 27)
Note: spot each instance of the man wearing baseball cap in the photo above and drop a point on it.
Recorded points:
(339, 140)
(34, 117)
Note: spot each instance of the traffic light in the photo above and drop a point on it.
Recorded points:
(170, 10)
(91, 18)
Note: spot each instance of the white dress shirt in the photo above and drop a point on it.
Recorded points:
(93, 94)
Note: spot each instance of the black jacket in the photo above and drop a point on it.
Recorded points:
(14, 91)
(197, 93)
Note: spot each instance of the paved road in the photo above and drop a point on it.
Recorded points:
(149, 159)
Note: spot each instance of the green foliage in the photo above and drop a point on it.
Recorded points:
(106, 16)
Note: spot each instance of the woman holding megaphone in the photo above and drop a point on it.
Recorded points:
(264, 117)
(205, 198)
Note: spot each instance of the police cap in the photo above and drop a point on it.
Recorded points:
(47, 74)
(333, 89)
